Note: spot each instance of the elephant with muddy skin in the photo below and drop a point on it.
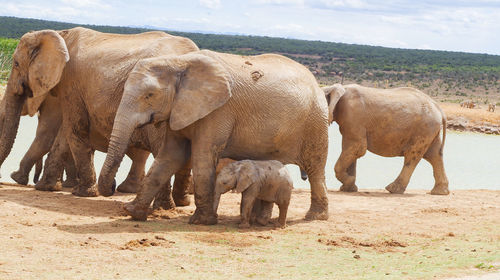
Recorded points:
(221, 105)
(86, 71)
(387, 122)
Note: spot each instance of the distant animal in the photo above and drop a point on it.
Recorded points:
(471, 105)
(491, 107)
(266, 181)
(388, 122)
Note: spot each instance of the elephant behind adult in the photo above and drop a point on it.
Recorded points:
(387, 122)
(86, 71)
(221, 105)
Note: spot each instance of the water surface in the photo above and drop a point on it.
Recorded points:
(472, 161)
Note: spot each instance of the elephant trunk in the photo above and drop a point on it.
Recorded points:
(123, 128)
(217, 195)
(13, 107)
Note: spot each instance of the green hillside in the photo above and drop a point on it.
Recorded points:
(439, 73)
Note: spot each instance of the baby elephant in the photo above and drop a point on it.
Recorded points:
(261, 183)
(387, 122)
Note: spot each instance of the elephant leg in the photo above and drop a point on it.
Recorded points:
(248, 198)
(399, 185)
(54, 165)
(71, 179)
(173, 155)
(204, 159)
(345, 168)
(45, 136)
(266, 211)
(84, 161)
(136, 173)
(282, 216)
(163, 199)
(435, 158)
(182, 183)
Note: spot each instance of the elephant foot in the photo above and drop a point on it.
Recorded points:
(244, 225)
(395, 188)
(164, 203)
(129, 186)
(277, 224)
(85, 191)
(163, 199)
(183, 200)
(137, 213)
(263, 221)
(318, 211)
(348, 188)
(48, 187)
(200, 218)
(19, 177)
(70, 183)
(440, 190)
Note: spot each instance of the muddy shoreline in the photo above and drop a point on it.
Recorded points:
(464, 124)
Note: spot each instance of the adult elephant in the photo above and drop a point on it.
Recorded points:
(221, 105)
(387, 122)
(86, 71)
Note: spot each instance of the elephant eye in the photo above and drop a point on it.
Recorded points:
(149, 95)
(16, 64)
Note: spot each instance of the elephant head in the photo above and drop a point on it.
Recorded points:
(333, 94)
(178, 89)
(38, 63)
(237, 176)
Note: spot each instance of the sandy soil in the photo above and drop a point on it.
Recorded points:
(369, 235)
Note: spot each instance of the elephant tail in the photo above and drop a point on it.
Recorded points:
(38, 170)
(303, 174)
(443, 120)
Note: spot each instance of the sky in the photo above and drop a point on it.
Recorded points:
(453, 25)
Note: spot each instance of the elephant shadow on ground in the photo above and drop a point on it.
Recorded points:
(64, 202)
(178, 224)
(375, 193)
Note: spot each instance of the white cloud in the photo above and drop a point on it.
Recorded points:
(86, 4)
(211, 4)
(282, 2)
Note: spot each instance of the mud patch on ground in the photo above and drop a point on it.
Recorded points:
(169, 214)
(350, 242)
(449, 211)
(158, 241)
(226, 239)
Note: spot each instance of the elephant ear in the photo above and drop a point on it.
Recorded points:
(333, 94)
(247, 175)
(202, 87)
(48, 56)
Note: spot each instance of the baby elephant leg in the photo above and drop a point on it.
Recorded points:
(264, 212)
(248, 198)
(283, 211)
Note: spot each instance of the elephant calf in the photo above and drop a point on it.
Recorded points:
(388, 122)
(261, 184)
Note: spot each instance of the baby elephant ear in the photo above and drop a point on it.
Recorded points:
(202, 87)
(333, 94)
(247, 175)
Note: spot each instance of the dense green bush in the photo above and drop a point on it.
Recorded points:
(7, 47)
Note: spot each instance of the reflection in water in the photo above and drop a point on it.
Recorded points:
(472, 161)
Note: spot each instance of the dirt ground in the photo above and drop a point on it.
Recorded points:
(476, 115)
(369, 235)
